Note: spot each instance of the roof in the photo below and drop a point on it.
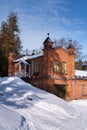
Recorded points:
(29, 57)
(23, 61)
(70, 46)
(48, 39)
(85, 64)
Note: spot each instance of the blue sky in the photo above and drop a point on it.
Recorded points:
(61, 18)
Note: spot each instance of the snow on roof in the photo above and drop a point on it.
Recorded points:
(81, 73)
(85, 64)
(29, 57)
(24, 62)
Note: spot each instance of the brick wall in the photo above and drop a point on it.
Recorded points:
(11, 64)
(47, 79)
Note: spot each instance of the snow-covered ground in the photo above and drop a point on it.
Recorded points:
(24, 107)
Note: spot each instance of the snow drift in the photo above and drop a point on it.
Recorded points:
(24, 107)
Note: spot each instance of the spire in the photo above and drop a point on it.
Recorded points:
(70, 48)
(48, 39)
(48, 44)
(70, 45)
(48, 34)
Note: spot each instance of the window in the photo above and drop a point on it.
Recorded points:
(63, 67)
(83, 90)
(56, 66)
(36, 67)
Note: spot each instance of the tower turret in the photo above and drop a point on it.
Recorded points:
(71, 49)
(48, 44)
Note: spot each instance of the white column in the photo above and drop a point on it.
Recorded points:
(29, 71)
(32, 67)
(19, 70)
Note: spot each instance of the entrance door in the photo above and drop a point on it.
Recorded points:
(60, 91)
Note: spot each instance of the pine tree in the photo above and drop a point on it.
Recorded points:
(10, 35)
(3, 63)
(14, 41)
(9, 38)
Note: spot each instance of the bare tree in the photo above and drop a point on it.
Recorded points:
(64, 43)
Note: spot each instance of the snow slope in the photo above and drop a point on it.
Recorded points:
(9, 119)
(33, 109)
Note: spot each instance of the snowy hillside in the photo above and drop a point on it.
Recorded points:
(23, 107)
(9, 120)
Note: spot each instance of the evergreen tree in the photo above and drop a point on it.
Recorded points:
(3, 63)
(14, 31)
(10, 35)
(9, 38)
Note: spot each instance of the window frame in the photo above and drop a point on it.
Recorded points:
(56, 66)
(36, 67)
(83, 90)
(64, 67)
(32, 67)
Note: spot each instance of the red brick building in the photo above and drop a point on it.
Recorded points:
(53, 70)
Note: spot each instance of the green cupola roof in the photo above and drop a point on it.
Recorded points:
(48, 39)
(48, 44)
